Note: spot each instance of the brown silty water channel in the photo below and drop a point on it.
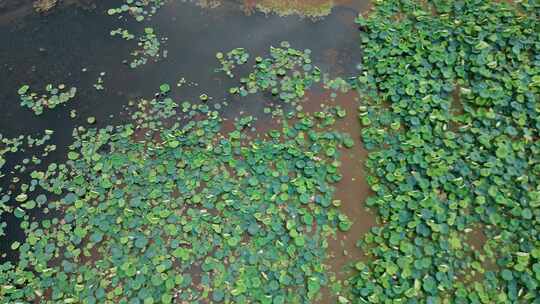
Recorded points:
(71, 45)
(351, 191)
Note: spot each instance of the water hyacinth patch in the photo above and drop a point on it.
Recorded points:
(169, 208)
(451, 119)
(53, 97)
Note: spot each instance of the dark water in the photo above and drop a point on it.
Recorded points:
(37, 50)
(53, 49)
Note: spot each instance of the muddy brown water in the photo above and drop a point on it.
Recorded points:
(55, 48)
(352, 190)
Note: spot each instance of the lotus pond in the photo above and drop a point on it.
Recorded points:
(169, 151)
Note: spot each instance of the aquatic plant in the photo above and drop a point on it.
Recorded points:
(142, 207)
(150, 48)
(124, 33)
(149, 42)
(54, 96)
(451, 117)
(231, 59)
(286, 73)
(139, 9)
(17, 146)
(23, 143)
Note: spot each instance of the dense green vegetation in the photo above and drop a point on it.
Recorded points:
(146, 204)
(171, 206)
(452, 121)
